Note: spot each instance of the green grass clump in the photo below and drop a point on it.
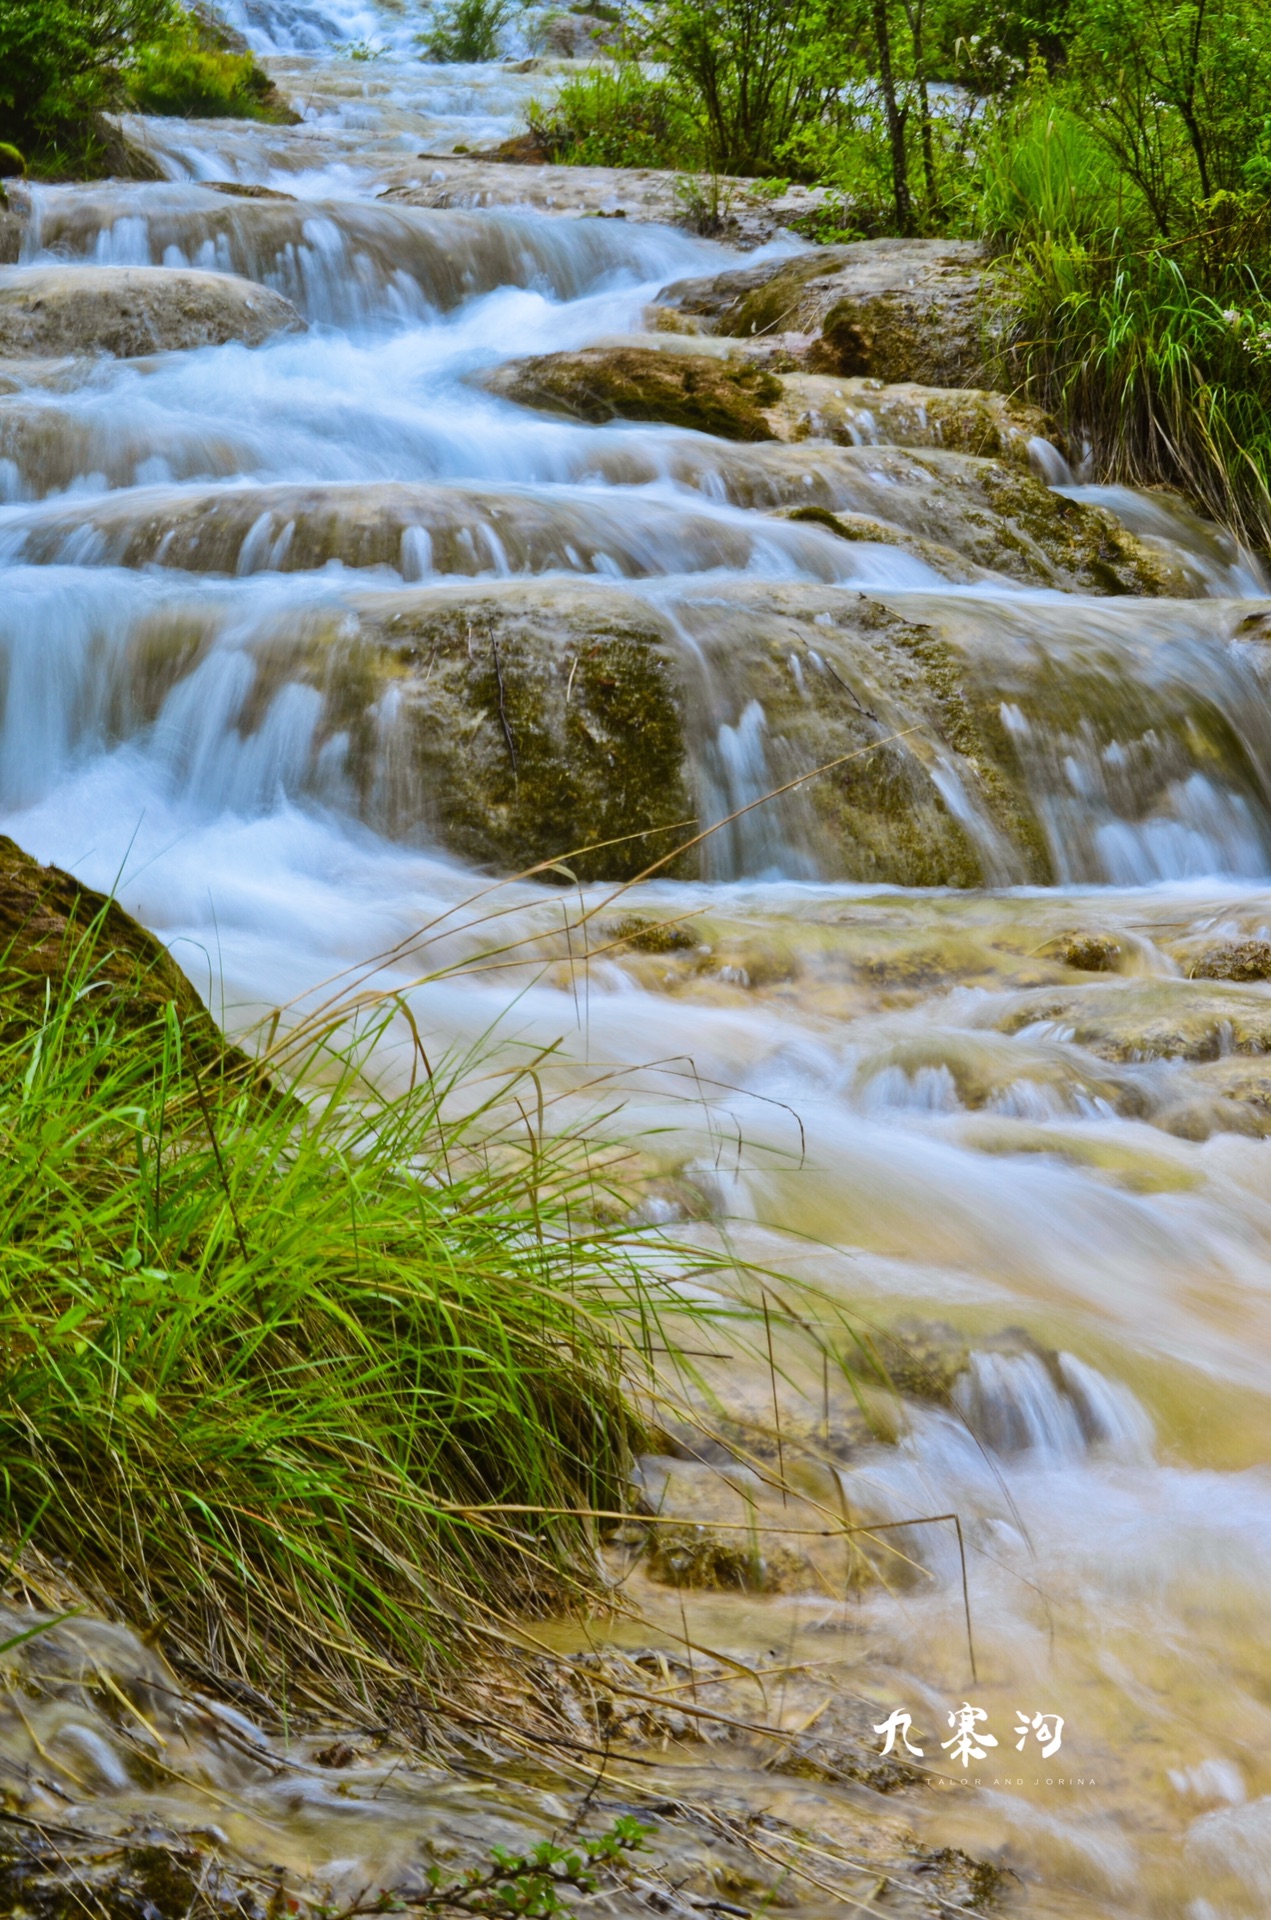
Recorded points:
(1154, 353)
(260, 1361)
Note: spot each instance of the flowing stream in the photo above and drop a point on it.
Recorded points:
(899, 1096)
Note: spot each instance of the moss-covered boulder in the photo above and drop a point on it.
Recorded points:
(868, 412)
(999, 518)
(596, 384)
(530, 726)
(52, 926)
(517, 720)
(890, 309)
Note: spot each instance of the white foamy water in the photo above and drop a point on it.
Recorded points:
(886, 1090)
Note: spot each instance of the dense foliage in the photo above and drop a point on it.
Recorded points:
(65, 62)
(62, 61)
(466, 30)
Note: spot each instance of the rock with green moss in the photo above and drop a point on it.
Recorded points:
(913, 457)
(532, 726)
(734, 390)
(868, 412)
(1153, 1019)
(1234, 960)
(596, 384)
(52, 927)
(889, 309)
(520, 720)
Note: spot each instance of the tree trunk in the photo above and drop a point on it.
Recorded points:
(895, 122)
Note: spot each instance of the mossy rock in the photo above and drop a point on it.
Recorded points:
(1153, 1019)
(530, 740)
(871, 411)
(1089, 952)
(1234, 960)
(651, 936)
(701, 1556)
(51, 927)
(892, 309)
(597, 384)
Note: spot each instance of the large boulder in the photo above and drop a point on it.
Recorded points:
(709, 393)
(887, 309)
(131, 311)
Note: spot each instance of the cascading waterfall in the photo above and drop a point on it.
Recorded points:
(270, 618)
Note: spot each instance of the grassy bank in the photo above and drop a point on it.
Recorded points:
(1115, 159)
(260, 1363)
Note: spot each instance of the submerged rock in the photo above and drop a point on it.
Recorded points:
(868, 412)
(1090, 952)
(130, 311)
(890, 309)
(1236, 960)
(1152, 1019)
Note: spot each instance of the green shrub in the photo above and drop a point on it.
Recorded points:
(181, 74)
(1178, 94)
(467, 30)
(751, 73)
(617, 117)
(61, 62)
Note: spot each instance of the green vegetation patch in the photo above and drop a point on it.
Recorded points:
(270, 1371)
(63, 64)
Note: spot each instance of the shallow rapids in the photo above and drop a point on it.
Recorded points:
(1030, 1111)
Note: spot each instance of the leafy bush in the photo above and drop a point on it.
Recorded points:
(65, 62)
(181, 74)
(751, 73)
(1176, 93)
(617, 117)
(467, 30)
(61, 62)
